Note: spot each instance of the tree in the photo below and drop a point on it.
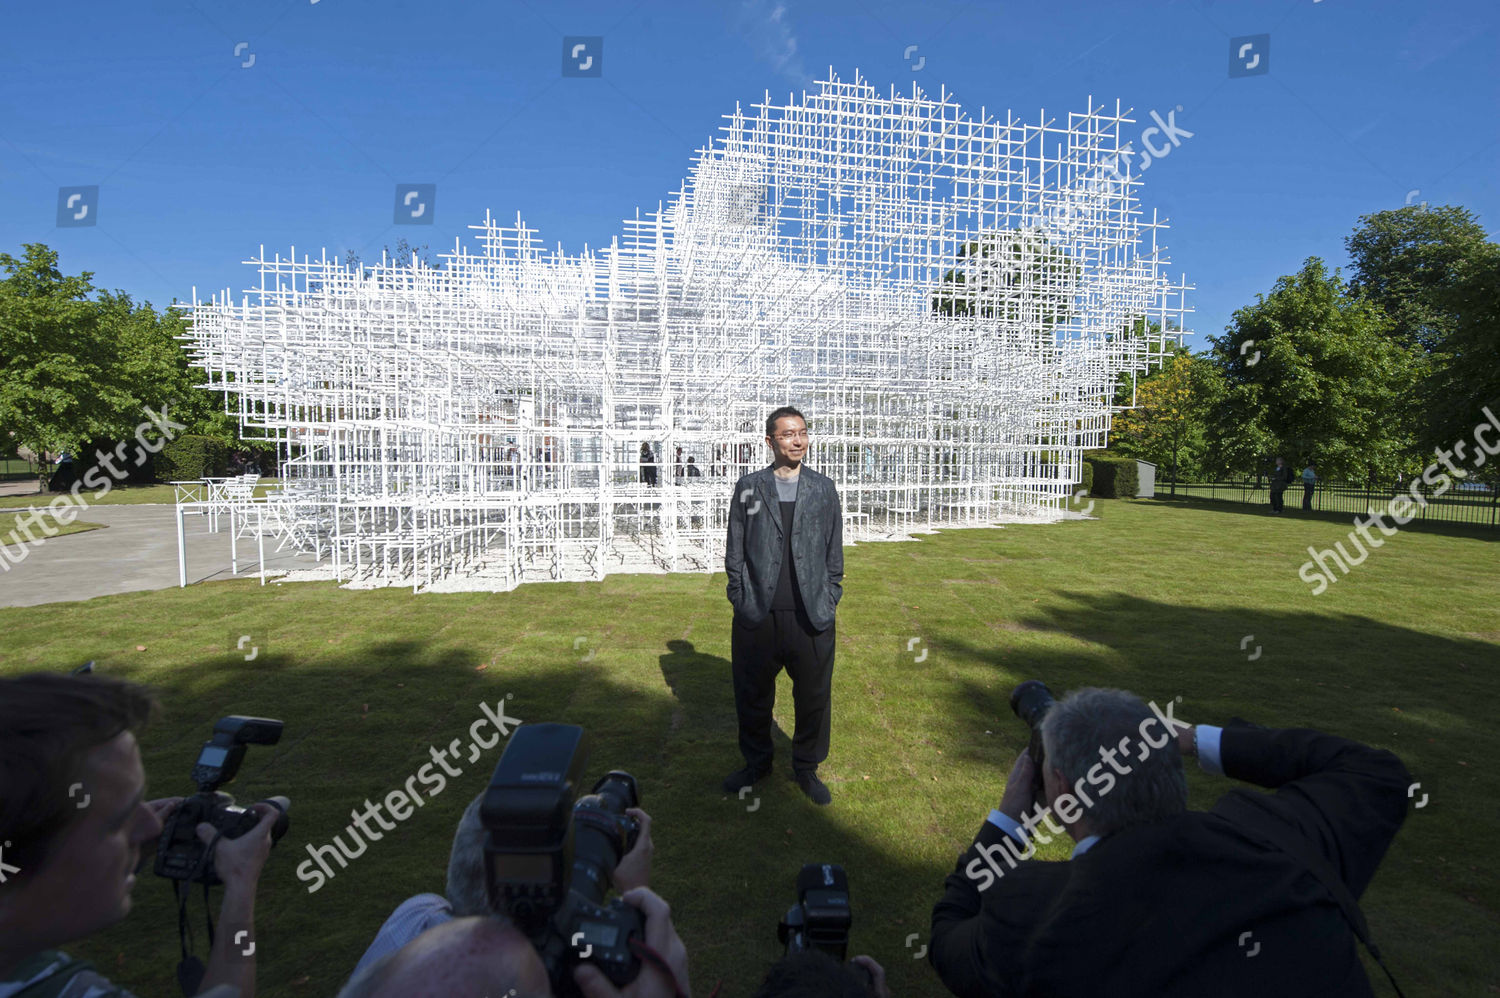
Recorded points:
(1017, 275)
(1311, 371)
(156, 368)
(1466, 374)
(60, 379)
(1168, 425)
(1407, 262)
(399, 255)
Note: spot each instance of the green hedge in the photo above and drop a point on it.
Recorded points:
(188, 457)
(1114, 477)
(1087, 484)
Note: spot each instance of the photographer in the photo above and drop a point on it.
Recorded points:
(74, 826)
(466, 891)
(1159, 900)
(815, 974)
(479, 956)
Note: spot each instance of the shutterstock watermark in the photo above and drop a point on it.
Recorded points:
(1402, 510)
(400, 802)
(1071, 211)
(65, 508)
(1070, 806)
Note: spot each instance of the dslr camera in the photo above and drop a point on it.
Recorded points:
(1031, 701)
(550, 858)
(180, 855)
(821, 917)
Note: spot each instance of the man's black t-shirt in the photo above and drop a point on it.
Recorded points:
(788, 595)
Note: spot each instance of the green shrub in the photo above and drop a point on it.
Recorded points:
(1114, 477)
(1087, 484)
(188, 457)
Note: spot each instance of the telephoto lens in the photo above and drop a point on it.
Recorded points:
(1031, 701)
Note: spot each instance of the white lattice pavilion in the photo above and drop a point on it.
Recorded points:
(949, 298)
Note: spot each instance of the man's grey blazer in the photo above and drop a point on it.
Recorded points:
(752, 551)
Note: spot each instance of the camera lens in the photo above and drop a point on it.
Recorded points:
(1031, 701)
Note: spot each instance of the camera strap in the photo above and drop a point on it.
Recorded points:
(190, 970)
(1256, 822)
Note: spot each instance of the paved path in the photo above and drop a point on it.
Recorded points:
(137, 550)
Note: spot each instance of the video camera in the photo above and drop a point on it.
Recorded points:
(180, 855)
(549, 860)
(1031, 701)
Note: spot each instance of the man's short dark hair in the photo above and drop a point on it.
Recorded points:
(785, 410)
(814, 974)
(48, 725)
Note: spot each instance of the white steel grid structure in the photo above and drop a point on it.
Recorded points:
(949, 299)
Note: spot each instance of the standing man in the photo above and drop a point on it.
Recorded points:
(785, 559)
(1281, 477)
(1309, 482)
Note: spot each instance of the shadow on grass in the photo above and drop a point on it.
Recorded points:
(1282, 668)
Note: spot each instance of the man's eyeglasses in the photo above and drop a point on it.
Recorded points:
(792, 435)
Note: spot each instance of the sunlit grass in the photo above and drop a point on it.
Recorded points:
(1156, 598)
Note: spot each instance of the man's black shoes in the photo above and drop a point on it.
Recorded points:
(812, 786)
(742, 778)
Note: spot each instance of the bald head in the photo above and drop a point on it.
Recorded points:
(464, 958)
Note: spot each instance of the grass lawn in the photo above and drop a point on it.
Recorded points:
(43, 527)
(119, 495)
(1168, 600)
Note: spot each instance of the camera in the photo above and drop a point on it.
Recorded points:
(1031, 701)
(821, 917)
(180, 855)
(550, 859)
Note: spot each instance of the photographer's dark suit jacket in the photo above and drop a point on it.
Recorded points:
(1161, 909)
(752, 550)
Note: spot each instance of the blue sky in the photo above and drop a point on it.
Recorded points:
(201, 159)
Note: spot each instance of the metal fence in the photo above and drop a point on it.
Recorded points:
(1470, 503)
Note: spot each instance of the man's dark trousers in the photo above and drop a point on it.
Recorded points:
(784, 638)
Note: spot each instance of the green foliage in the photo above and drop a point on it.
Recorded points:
(1466, 375)
(1169, 424)
(1087, 483)
(1017, 275)
(1322, 379)
(1114, 476)
(80, 366)
(60, 380)
(189, 457)
(1408, 262)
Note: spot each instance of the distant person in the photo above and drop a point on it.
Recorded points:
(64, 474)
(1309, 480)
(648, 464)
(678, 470)
(693, 471)
(1281, 477)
